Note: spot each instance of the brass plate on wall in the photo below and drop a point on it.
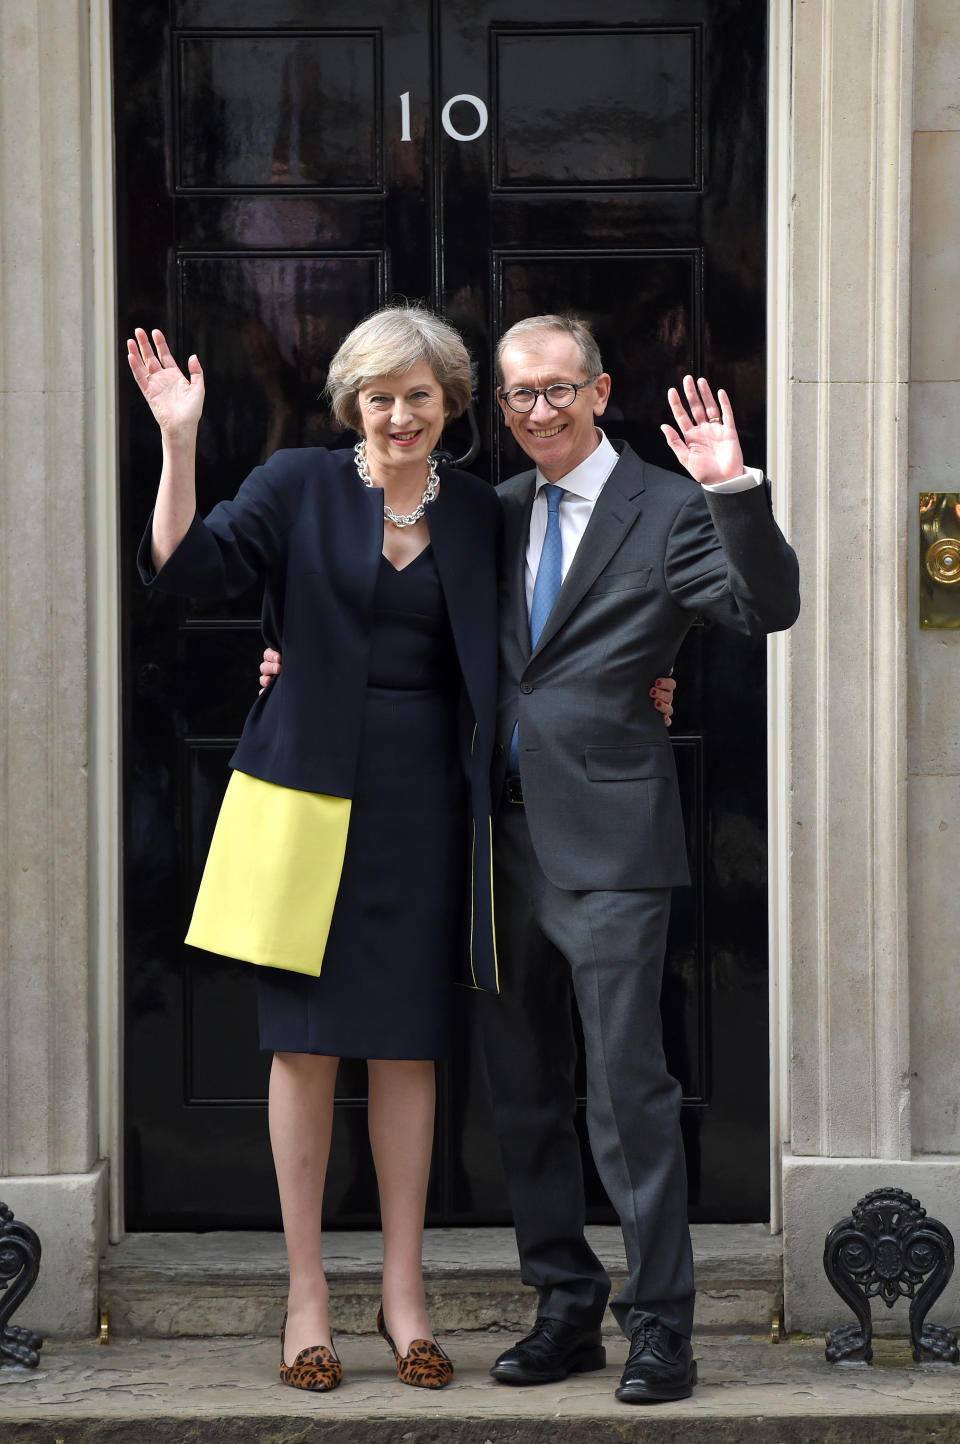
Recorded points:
(940, 559)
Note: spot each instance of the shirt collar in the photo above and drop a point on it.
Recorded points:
(587, 479)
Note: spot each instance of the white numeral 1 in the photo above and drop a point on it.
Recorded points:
(405, 115)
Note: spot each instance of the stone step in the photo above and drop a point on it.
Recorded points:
(191, 1285)
(226, 1391)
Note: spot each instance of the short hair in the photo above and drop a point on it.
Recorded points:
(388, 343)
(524, 334)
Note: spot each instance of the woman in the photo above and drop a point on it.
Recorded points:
(355, 832)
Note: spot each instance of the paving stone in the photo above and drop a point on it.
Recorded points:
(226, 1391)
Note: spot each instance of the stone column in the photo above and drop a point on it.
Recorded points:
(847, 984)
(50, 1173)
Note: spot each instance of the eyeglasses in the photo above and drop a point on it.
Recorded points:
(559, 394)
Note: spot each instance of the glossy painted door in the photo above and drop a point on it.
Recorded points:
(284, 167)
(620, 174)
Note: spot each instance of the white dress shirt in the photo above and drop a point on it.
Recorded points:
(582, 486)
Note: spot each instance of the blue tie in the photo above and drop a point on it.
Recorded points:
(547, 584)
(545, 588)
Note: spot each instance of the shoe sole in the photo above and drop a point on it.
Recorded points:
(638, 1393)
(583, 1363)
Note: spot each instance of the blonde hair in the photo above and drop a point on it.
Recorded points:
(388, 343)
(523, 335)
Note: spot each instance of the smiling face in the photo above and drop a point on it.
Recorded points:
(402, 418)
(556, 439)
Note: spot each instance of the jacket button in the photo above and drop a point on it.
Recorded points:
(526, 688)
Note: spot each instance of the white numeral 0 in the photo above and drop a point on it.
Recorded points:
(478, 106)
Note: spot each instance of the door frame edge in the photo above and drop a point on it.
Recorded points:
(104, 623)
(779, 123)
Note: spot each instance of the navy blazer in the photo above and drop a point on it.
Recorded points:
(306, 526)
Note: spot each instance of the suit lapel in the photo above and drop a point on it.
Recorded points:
(457, 559)
(359, 513)
(616, 510)
(516, 534)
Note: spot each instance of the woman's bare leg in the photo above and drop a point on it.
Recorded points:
(402, 1099)
(301, 1118)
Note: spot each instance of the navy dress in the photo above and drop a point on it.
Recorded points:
(386, 984)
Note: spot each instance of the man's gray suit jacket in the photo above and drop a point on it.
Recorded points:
(596, 767)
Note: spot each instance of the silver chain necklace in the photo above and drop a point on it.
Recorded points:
(411, 517)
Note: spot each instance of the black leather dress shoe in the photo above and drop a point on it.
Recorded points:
(660, 1366)
(551, 1351)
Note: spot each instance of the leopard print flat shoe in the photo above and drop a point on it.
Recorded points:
(315, 1367)
(424, 1365)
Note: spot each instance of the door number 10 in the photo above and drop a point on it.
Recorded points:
(445, 120)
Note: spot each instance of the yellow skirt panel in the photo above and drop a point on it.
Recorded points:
(271, 876)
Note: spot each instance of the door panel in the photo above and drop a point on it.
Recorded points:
(254, 171)
(284, 167)
(608, 186)
(266, 326)
(624, 113)
(306, 124)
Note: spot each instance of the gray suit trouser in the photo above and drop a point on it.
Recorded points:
(605, 951)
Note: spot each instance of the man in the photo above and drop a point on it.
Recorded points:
(607, 561)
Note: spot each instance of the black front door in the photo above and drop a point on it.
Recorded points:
(283, 168)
